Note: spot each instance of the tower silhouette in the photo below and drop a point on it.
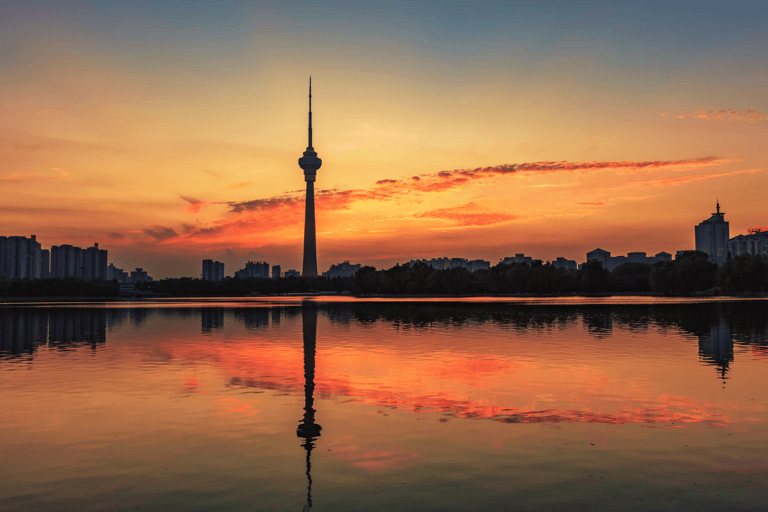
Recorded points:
(310, 164)
(308, 429)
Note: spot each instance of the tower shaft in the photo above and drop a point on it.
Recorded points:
(310, 244)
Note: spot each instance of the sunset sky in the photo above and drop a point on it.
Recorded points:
(169, 131)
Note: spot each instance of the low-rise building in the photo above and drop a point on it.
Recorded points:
(613, 262)
(449, 263)
(561, 262)
(344, 269)
(754, 243)
(140, 276)
(519, 258)
(254, 269)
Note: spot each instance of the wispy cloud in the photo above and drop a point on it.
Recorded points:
(160, 233)
(194, 204)
(31, 178)
(469, 214)
(758, 118)
(679, 180)
(240, 185)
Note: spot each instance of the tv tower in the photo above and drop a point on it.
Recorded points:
(310, 164)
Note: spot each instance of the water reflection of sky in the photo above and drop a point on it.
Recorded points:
(389, 382)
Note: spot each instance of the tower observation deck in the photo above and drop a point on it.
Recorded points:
(310, 163)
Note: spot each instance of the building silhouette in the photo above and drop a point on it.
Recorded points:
(345, 269)
(613, 262)
(276, 272)
(309, 163)
(254, 270)
(449, 263)
(518, 258)
(70, 261)
(140, 276)
(754, 243)
(565, 263)
(20, 257)
(213, 270)
(712, 237)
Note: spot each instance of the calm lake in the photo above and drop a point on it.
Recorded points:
(385, 405)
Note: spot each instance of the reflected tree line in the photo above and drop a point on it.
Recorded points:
(718, 326)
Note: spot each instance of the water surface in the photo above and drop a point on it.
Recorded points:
(283, 404)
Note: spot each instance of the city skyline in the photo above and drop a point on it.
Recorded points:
(169, 135)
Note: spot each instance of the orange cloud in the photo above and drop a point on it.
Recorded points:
(749, 116)
(241, 185)
(262, 215)
(470, 214)
(387, 189)
(195, 205)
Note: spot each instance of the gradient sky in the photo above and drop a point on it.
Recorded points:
(170, 131)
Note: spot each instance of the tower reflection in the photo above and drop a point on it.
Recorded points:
(308, 429)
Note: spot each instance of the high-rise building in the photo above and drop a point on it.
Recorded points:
(69, 261)
(45, 263)
(712, 237)
(94, 263)
(66, 261)
(213, 270)
(276, 271)
(310, 163)
(20, 257)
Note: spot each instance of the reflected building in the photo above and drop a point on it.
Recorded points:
(84, 326)
(22, 330)
(308, 429)
(211, 319)
(253, 318)
(599, 323)
(716, 348)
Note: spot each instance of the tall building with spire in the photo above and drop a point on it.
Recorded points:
(712, 237)
(309, 163)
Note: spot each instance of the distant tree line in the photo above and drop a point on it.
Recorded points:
(690, 274)
(66, 287)
(686, 275)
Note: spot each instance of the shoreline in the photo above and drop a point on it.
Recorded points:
(352, 298)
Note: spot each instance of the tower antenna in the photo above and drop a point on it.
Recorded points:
(310, 111)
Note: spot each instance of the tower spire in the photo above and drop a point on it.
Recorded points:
(310, 112)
